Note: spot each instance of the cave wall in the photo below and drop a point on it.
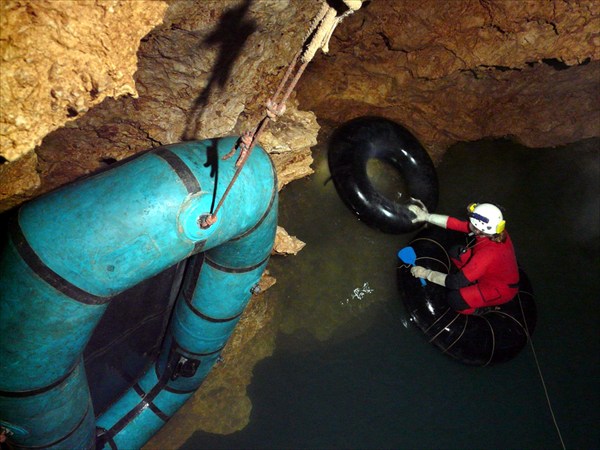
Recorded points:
(61, 58)
(205, 71)
(58, 60)
(465, 70)
(97, 91)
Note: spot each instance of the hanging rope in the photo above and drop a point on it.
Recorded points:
(537, 364)
(318, 36)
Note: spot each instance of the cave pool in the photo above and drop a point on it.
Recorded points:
(349, 371)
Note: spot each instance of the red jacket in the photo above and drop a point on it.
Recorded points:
(490, 266)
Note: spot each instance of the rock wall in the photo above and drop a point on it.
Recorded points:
(449, 71)
(464, 70)
(61, 58)
(58, 59)
(206, 71)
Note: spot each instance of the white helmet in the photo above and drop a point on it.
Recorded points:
(487, 218)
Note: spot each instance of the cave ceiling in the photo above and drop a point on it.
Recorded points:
(86, 84)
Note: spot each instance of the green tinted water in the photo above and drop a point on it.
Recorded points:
(350, 371)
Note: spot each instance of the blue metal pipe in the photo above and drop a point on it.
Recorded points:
(71, 251)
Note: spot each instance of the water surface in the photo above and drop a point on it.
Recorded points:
(349, 370)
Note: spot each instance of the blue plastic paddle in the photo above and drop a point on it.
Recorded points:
(408, 256)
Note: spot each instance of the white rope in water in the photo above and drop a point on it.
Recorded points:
(493, 341)
(433, 241)
(461, 333)
(528, 338)
(537, 363)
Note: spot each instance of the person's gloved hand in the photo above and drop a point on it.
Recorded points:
(419, 209)
(429, 275)
(419, 272)
(421, 213)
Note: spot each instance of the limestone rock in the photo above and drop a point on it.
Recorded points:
(61, 58)
(292, 165)
(19, 180)
(207, 71)
(463, 70)
(286, 244)
(294, 130)
(289, 140)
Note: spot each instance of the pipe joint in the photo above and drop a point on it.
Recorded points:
(191, 217)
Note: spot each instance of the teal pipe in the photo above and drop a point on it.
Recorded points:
(71, 251)
(216, 289)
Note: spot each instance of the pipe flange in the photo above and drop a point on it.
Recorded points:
(194, 208)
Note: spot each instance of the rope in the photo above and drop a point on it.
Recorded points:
(440, 318)
(526, 328)
(322, 34)
(493, 340)
(444, 327)
(318, 36)
(433, 241)
(537, 363)
(460, 336)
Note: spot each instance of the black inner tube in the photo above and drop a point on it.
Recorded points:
(495, 336)
(365, 138)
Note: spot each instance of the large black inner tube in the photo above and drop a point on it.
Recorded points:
(496, 336)
(355, 143)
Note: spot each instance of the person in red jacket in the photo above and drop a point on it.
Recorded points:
(488, 274)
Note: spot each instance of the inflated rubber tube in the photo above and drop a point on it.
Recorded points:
(352, 146)
(495, 336)
(70, 252)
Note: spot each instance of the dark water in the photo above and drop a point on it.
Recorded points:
(350, 372)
